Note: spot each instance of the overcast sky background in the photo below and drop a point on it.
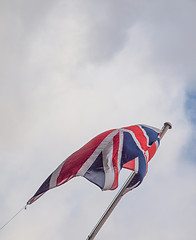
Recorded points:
(72, 69)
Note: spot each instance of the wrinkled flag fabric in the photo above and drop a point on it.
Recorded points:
(102, 158)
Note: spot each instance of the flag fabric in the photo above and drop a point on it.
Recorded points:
(102, 158)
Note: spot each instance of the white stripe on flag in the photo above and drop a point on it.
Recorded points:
(147, 156)
(120, 149)
(96, 153)
(157, 144)
(145, 134)
(136, 165)
(55, 174)
(107, 154)
(153, 128)
(134, 186)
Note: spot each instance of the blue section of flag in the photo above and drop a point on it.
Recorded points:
(44, 187)
(152, 135)
(142, 167)
(130, 149)
(96, 173)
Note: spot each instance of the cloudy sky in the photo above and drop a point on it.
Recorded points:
(72, 69)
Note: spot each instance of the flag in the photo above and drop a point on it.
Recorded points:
(102, 158)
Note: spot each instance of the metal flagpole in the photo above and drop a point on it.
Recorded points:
(119, 195)
(167, 125)
(110, 208)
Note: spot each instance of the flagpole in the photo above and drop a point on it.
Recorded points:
(110, 208)
(167, 125)
(119, 195)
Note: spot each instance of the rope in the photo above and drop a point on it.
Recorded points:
(25, 207)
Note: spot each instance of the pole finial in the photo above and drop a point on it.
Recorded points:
(168, 124)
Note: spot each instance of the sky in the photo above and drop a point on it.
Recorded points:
(70, 70)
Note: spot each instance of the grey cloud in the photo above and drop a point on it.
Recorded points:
(168, 26)
(108, 26)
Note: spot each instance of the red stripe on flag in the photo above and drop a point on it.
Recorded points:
(116, 142)
(130, 165)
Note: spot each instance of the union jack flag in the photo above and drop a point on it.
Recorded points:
(102, 158)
